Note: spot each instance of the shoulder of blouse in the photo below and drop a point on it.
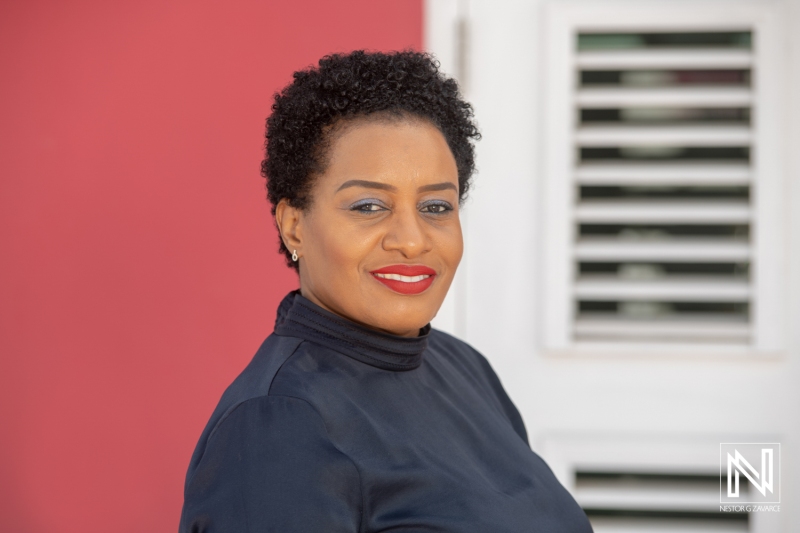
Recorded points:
(471, 360)
(254, 381)
(254, 475)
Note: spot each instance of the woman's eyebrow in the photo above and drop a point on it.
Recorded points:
(385, 186)
(438, 187)
(368, 184)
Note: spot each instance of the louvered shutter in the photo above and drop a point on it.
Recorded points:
(656, 228)
(663, 181)
(625, 500)
(638, 483)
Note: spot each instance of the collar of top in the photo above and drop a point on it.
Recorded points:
(300, 317)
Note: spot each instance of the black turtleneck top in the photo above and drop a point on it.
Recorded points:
(334, 427)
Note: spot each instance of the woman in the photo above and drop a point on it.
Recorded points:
(354, 415)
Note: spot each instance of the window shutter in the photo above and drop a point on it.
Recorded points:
(646, 484)
(622, 501)
(658, 231)
(663, 184)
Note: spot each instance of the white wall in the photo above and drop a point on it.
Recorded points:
(791, 405)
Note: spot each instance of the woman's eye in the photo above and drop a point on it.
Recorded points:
(437, 208)
(367, 207)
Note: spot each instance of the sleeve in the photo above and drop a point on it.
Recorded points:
(270, 467)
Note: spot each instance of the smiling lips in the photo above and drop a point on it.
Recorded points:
(405, 279)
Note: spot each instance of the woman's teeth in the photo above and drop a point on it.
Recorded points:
(407, 279)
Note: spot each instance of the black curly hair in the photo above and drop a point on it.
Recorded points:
(345, 87)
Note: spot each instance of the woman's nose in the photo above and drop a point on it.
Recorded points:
(406, 234)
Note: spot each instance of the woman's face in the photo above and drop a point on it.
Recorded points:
(381, 240)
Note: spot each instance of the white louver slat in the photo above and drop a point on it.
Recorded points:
(675, 174)
(655, 497)
(662, 180)
(663, 212)
(698, 251)
(665, 59)
(669, 290)
(664, 135)
(720, 331)
(712, 97)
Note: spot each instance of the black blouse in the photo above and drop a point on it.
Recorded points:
(334, 427)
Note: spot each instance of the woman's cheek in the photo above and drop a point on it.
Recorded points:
(347, 244)
(451, 243)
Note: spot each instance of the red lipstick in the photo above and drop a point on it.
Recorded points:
(405, 279)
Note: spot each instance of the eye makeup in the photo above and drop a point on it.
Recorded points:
(435, 207)
(367, 205)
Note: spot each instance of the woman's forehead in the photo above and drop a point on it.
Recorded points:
(398, 152)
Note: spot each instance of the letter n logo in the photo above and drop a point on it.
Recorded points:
(742, 459)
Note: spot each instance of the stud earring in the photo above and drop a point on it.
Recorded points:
(294, 255)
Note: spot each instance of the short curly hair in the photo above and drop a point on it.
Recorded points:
(352, 86)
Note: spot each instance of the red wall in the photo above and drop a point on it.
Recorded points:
(138, 264)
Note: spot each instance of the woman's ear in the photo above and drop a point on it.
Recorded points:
(289, 221)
